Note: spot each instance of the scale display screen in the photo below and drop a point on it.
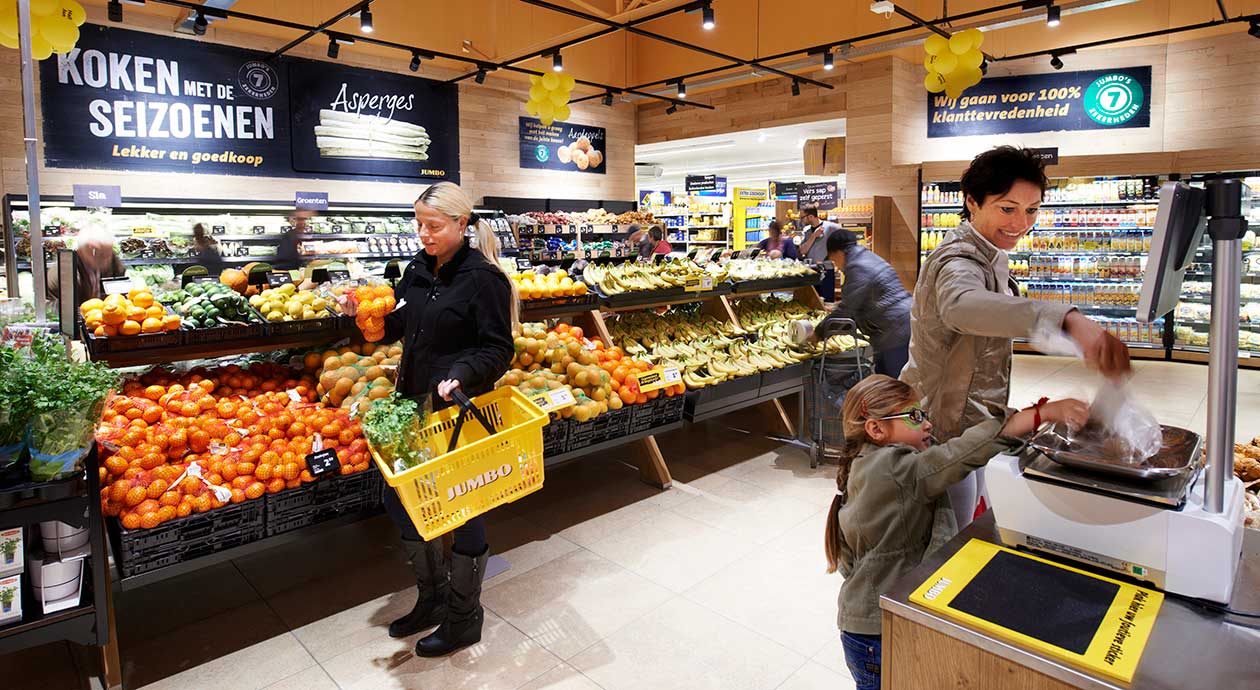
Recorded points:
(1051, 609)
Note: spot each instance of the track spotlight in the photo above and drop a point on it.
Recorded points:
(557, 62)
(984, 67)
(1254, 29)
(673, 108)
(1053, 13)
(115, 11)
(365, 20)
(796, 88)
(481, 76)
(682, 89)
(707, 20)
(829, 60)
(333, 48)
(200, 24)
(608, 98)
(415, 62)
(1056, 62)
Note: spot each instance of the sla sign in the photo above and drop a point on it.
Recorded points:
(563, 146)
(1093, 99)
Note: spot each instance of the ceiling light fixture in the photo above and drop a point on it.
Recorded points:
(1254, 29)
(115, 11)
(1056, 62)
(796, 88)
(707, 19)
(557, 62)
(1053, 14)
(673, 108)
(481, 76)
(608, 98)
(829, 60)
(333, 48)
(365, 20)
(761, 136)
(682, 89)
(415, 62)
(200, 24)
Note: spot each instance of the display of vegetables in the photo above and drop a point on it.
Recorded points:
(135, 313)
(288, 303)
(392, 428)
(209, 305)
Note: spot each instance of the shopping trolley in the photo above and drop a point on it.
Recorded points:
(829, 380)
(497, 461)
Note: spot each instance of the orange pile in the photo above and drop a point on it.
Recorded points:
(374, 302)
(243, 427)
(131, 314)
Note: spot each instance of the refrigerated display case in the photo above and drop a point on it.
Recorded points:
(1194, 311)
(1089, 249)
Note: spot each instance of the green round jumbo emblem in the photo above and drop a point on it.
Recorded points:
(1114, 99)
(541, 153)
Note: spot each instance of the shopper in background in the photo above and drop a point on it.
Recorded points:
(814, 247)
(634, 237)
(967, 308)
(96, 258)
(208, 254)
(659, 244)
(288, 251)
(891, 506)
(872, 295)
(455, 318)
(777, 245)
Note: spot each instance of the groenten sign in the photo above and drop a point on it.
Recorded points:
(1058, 101)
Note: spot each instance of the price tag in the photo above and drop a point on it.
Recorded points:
(203, 279)
(147, 231)
(260, 230)
(294, 396)
(218, 230)
(323, 462)
(338, 275)
(523, 264)
(277, 278)
(370, 228)
(698, 283)
(658, 378)
(116, 286)
(555, 400)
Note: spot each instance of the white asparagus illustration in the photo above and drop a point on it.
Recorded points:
(351, 135)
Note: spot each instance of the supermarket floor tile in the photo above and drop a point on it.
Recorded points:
(562, 677)
(747, 510)
(525, 546)
(355, 626)
(346, 585)
(159, 609)
(47, 667)
(815, 676)
(340, 550)
(313, 678)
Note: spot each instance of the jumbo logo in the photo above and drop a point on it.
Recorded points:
(936, 589)
(477, 482)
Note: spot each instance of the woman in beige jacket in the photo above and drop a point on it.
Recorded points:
(967, 308)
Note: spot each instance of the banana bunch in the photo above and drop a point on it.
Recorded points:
(763, 269)
(636, 277)
(753, 313)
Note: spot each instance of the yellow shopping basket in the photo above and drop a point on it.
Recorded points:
(498, 460)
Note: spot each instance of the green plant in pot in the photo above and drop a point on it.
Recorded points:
(15, 409)
(66, 400)
(9, 550)
(6, 598)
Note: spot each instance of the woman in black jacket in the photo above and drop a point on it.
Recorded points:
(455, 315)
(873, 296)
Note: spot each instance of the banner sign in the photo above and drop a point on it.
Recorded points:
(701, 183)
(129, 100)
(785, 191)
(821, 194)
(563, 146)
(655, 198)
(1093, 99)
(718, 190)
(97, 196)
(311, 201)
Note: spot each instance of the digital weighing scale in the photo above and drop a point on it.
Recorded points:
(1182, 533)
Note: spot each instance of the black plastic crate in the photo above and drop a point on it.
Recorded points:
(784, 378)
(128, 343)
(701, 402)
(277, 328)
(581, 435)
(644, 298)
(322, 500)
(538, 309)
(613, 424)
(556, 437)
(199, 336)
(659, 412)
(772, 284)
(143, 550)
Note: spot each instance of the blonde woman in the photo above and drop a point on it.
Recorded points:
(455, 316)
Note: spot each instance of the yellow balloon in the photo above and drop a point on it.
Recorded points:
(550, 81)
(40, 48)
(537, 93)
(9, 41)
(72, 10)
(567, 82)
(954, 91)
(546, 121)
(535, 80)
(546, 110)
(936, 44)
(967, 76)
(977, 37)
(934, 82)
(558, 98)
(43, 8)
(563, 113)
(8, 19)
(971, 59)
(943, 63)
(58, 30)
(531, 107)
(960, 43)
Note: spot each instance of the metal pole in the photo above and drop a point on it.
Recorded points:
(1222, 369)
(40, 287)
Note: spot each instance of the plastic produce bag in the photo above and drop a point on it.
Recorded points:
(13, 425)
(59, 441)
(1135, 434)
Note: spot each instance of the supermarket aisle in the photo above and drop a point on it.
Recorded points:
(718, 583)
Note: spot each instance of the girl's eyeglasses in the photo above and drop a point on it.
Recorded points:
(915, 417)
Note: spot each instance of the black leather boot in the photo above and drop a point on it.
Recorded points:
(432, 587)
(464, 615)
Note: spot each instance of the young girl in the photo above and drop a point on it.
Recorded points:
(891, 507)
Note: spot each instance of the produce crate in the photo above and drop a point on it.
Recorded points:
(556, 437)
(784, 378)
(658, 412)
(199, 336)
(637, 299)
(537, 309)
(772, 284)
(97, 346)
(140, 551)
(701, 403)
(322, 500)
(329, 323)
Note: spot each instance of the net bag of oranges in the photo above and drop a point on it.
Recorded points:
(447, 472)
(373, 303)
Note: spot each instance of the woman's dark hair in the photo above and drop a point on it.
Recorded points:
(995, 171)
(656, 233)
(632, 231)
(774, 228)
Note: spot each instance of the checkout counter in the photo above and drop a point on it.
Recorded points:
(1093, 571)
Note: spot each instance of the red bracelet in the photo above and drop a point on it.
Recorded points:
(1037, 412)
